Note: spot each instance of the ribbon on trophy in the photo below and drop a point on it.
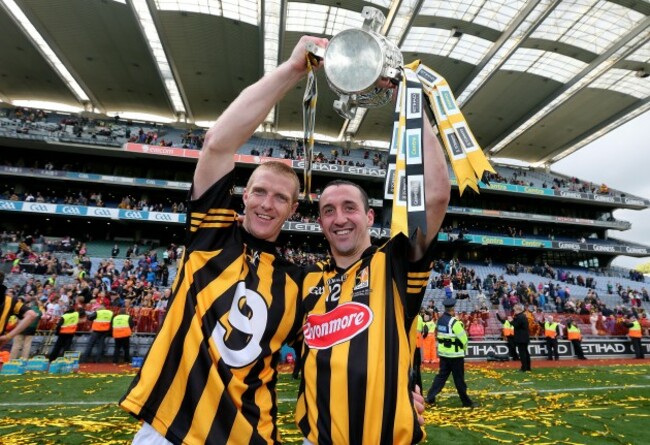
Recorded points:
(465, 154)
(357, 64)
(404, 207)
(309, 100)
(404, 186)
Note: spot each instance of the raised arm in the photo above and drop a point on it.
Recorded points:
(437, 189)
(238, 122)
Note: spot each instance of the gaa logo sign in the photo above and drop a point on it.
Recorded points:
(101, 212)
(162, 217)
(70, 210)
(42, 208)
(133, 214)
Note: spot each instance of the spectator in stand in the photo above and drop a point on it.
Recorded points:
(521, 336)
(594, 319)
(53, 308)
(476, 329)
(645, 324)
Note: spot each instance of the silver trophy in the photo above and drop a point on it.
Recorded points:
(356, 61)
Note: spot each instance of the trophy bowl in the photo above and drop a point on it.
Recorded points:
(353, 61)
(356, 61)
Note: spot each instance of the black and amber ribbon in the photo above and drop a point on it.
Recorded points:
(404, 193)
(465, 154)
(309, 100)
(404, 201)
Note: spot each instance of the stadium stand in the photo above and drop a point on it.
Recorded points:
(510, 238)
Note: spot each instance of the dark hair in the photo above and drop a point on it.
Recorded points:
(364, 195)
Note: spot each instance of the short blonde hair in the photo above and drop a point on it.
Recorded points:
(281, 169)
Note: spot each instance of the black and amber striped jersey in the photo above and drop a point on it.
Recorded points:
(210, 374)
(359, 339)
(10, 306)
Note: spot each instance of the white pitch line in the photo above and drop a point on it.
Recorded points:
(291, 399)
(17, 404)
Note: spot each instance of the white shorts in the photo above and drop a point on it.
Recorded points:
(149, 436)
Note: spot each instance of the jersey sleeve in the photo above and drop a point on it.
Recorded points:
(416, 273)
(20, 309)
(211, 219)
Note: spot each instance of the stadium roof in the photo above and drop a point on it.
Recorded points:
(536, 79)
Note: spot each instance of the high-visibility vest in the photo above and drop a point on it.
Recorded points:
(508, 329)
(635, 330)
(550, 330)
(420, 326)
(70, 323)
(574, 333)
(102, 322)
(451, 337)
(121, 327)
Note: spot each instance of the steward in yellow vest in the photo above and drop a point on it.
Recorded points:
(122, 330)
(635, 334)
(574, 335)
(551, 334)
(101, 328)
(66, 328)
(509, 336)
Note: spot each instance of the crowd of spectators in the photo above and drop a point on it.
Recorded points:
(157, 134)
(95, 199)
(572, 184)
(539, 298)
(139, 282)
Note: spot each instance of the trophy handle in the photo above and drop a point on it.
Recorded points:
(317, 51)
(392, 74)
(345, 107)
(373, 19)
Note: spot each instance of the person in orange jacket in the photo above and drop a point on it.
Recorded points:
(428, 339)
